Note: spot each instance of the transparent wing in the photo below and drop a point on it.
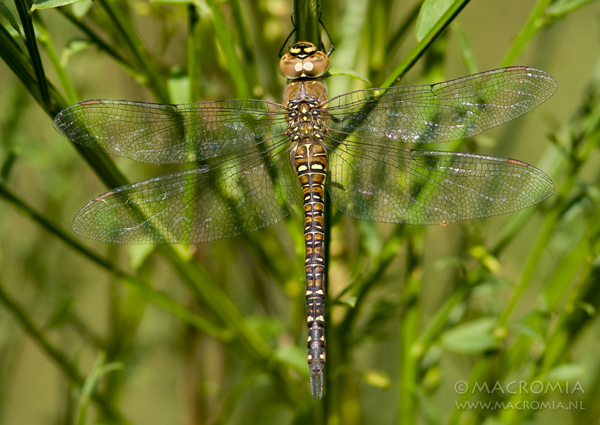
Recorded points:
(372, 176)
(429, 187)
(161, 134)
(198, 205)
(442, 112)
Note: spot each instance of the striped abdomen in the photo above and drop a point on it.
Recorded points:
(310, 160)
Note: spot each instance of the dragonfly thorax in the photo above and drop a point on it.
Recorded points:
(305, 115)
(303, 60)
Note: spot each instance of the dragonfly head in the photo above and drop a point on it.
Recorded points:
(303, 60)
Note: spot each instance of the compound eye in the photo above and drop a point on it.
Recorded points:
(290, 67)
(315, 65)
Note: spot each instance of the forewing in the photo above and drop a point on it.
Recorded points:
(161, 134)
(429, 187)
(440, 112)
(198, 205)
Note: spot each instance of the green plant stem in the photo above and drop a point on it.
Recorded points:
(152, 295)
(155, 81)
(418, 51)
(409, 331)
(244, 39)
(354, 20)
(249, 343)
(45, 39)
(532, 26)
(19, 63)
(583, 143)
(366, 283)
(343, 336)
(435, 326)
(193, 52)
(234, 66)
(466, 51)
(306, 19)
(573, 318)
(400, 35)
(252, 346)
(34, 54)
(59, 358)
(592, 140)
(97, 40)
(572, 321)
(479, 369)
(98, 371)
(540, 246)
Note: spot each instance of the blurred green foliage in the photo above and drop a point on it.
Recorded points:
(420, 319)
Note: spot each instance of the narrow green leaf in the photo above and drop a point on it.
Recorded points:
(8, 164)
(179, 88)
(471, 337)
(534, 23)
(418, 51)
(561, 8)
(138, 254)
(5, 11)
(226, 41)
(588, 308)
(99, 369)
(80, 9)
(349, 301)
(51, 4)
(173, 1)
(565, 372)
(431, 12)
(34, 53)
(480, 253)
(528, 331)
(346, 72)
(293, 356)
(73, 47)
(466, 50)
(377, 379)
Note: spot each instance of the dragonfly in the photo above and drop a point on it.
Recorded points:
(255, 158)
